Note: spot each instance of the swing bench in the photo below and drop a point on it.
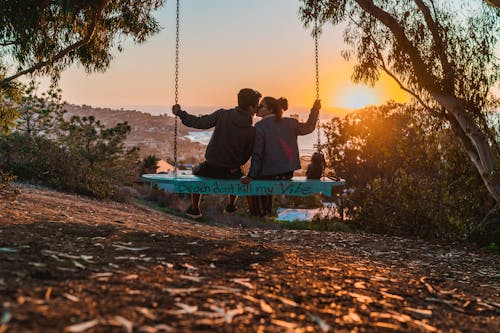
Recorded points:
(297, 186)
(188, 183)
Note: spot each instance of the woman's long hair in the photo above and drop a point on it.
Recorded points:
(277, 106)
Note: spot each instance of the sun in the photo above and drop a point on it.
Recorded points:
(356, 97)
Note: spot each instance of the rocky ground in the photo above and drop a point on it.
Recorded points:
(73, 264)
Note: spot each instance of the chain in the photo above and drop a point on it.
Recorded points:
(176, 82)
(316, 58)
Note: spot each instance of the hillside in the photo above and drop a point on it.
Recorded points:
(152, 134)
(74, 264)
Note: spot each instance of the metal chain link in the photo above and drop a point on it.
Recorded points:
(177, 24)
(316, 55)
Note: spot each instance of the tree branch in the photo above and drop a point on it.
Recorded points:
(8, 43)
(65, 51)
(439, 45)
(397, 30)
(384, 67)
(403, 87)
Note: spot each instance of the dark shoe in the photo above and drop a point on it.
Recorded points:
(230, 209)
(193, 213)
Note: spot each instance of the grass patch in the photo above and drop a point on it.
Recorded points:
(331, 225)
(493, 247)
(154, 205)
(295, 225)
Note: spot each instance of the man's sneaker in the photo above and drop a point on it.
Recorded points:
(230, 209)
(193, 213)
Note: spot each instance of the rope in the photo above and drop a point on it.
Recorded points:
(177, 23)
(316, 58)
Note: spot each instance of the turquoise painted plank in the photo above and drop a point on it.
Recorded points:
(298, 186)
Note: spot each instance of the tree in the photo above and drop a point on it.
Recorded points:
(94, 144)
(10, 96)
(495, 3)
(149, 164)
(40, 115)
(405, 174)
(47, 36)
(444, 59)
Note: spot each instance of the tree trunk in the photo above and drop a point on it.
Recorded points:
(482, 155)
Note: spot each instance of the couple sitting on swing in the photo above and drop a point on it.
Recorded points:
(272, 145)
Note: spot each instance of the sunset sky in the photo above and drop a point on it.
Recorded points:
(227, 45)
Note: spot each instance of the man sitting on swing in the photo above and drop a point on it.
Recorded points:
(230, 146)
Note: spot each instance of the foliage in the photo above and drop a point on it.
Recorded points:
(28, 152)
(40, 115)
(102, 159)
(405, 174)
(46, 37)
(31, 158)
(49, 36)
(79, 155)
(294, 225)
(441, 53)
(149, 164)
(330, 224)
(10, 96)
(5, 181)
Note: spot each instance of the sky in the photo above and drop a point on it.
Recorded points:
(227, 45)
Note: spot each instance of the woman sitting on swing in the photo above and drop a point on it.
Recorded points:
(276, 153)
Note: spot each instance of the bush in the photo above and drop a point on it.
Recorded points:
(409, 205)
(405, 176)
(79, 155)
(5, 182)
(331, 224)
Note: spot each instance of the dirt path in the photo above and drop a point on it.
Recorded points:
(69, 263)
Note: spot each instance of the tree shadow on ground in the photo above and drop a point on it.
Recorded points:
(54, 252)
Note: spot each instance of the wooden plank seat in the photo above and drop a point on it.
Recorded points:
(298, 186)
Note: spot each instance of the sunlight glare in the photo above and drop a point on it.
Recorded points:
(357, 97)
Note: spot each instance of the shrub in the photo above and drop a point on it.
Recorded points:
(405, 175)
(79, 155)
(5, 182)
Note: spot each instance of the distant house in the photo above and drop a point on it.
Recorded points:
(164, 167)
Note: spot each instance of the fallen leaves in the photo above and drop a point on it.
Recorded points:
(265, 307)
(81, 327)
(146, 313)
(244, 282)
(71, 297)
(391, 296)
(284, 324)
(361, 298)
(421, 312)
(127, 325)
(181, 291)
(184, 309)
(170, 276)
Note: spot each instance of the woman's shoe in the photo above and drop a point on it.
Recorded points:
(230, 209)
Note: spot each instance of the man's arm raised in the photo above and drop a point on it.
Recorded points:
(200, 122)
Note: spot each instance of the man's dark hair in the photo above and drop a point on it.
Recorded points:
(248, 97)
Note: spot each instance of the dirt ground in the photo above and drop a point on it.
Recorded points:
(73, 264)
